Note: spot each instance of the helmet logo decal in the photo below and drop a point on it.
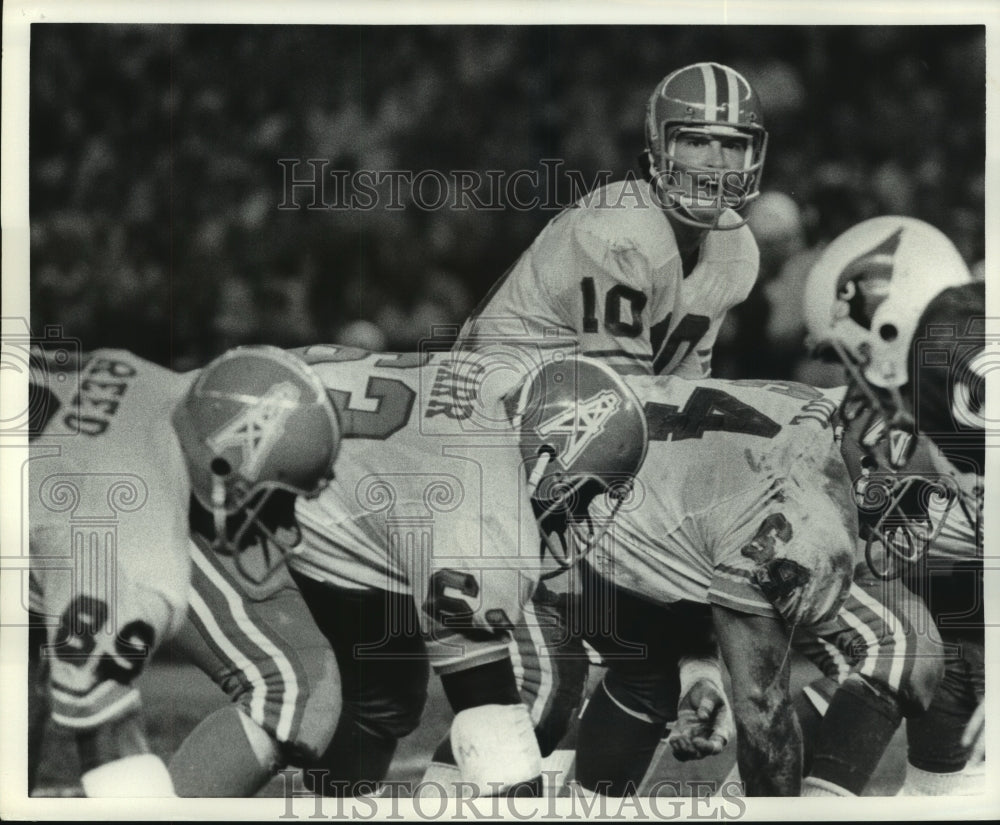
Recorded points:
(258, 428)
(581, 424)
(864, 283)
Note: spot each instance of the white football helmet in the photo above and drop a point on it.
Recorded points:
(869, 300)
(863, 298)
(869, 286)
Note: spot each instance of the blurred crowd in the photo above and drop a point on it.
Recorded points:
(155, 180)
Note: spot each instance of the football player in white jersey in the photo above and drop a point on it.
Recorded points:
(742, 517)
(639, 273)
(125, 457)
(424, 549)
(893, 301)
(642, 272)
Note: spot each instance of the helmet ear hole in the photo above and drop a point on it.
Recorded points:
(888, 332)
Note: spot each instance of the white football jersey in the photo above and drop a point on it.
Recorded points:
(607, 272)
(429, 495)
(108, 496)
(743, 501)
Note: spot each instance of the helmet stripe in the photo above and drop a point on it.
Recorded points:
(734, 96)
(708, 77)
(723, 91)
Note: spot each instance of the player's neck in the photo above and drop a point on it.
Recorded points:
(689, 240)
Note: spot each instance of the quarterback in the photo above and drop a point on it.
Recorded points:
(125, 456)
(642, 272)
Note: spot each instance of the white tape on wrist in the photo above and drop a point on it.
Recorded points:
(494, 746)
(143, 774)
(692, 670)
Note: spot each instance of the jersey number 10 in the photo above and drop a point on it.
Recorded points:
(689, 330)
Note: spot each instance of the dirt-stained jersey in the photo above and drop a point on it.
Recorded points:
(743, 501)
(607, 272)
(108, 526)
(429, 497)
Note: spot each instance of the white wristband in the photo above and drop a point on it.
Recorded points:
(692, 670)
(143, 774)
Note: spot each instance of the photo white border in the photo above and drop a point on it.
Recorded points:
(18, 16)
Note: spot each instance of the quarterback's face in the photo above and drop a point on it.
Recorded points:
(707, 168)
(706, 150)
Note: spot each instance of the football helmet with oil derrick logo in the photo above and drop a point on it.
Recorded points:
(716, 102)
(256, 428)
(583, 433)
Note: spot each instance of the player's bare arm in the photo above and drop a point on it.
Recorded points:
(769, 749)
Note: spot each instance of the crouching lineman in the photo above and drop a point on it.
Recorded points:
(892, 299)
(425, 549)
(743, 518)
(126, 460)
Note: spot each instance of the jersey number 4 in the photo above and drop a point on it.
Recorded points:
(707, 409)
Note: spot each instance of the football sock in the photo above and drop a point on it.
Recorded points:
(857, 728)
(967, 782)
(614, 746)
(811, 786)
(353, 764)
(810, 704)
(226, 755)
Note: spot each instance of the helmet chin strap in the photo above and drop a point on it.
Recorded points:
(219, 513)
(544, 457)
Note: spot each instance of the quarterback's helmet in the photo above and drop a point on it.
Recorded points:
(255, 422)
(718, 102)
(583, 433)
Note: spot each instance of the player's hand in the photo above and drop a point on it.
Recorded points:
(975, 735)
(704, 722)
